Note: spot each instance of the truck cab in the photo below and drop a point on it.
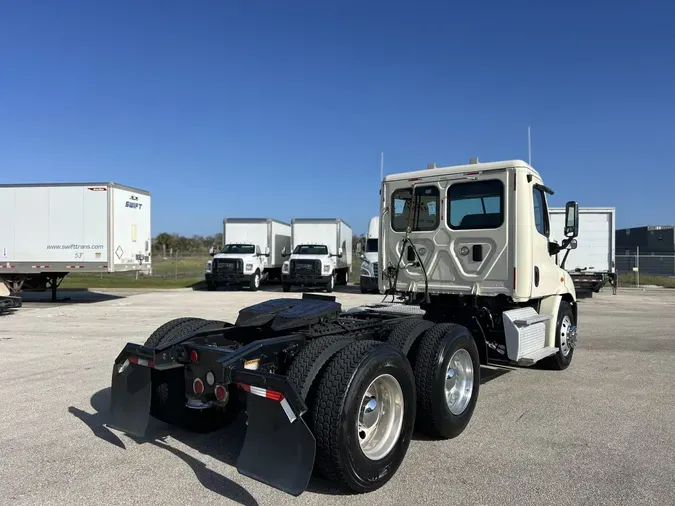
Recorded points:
(473, 242)
(369, 257)
(237, 264)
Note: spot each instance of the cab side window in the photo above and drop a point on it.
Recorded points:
(540, 212)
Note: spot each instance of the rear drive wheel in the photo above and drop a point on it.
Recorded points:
(363, 415)
(167, 402)
(447, 372)
(565, 338)
(255, 281)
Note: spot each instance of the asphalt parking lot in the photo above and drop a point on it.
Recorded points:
(601, 432)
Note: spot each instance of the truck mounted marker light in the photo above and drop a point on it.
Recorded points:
(221, 393)
(198, 386)
(193, 356)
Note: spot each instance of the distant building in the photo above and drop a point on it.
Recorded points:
(651, 239)
(656, 245)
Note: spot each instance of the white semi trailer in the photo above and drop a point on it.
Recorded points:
(321, 256)
(592, 263)
(251, 253)
(50, 230)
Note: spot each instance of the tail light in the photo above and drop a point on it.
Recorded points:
(193, 356)
(198, 386)
(221, 393)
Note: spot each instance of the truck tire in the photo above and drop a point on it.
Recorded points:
(563, 357)
(286, 287)
(308, 363)
(447, 373)
(254, 284)
(331, 283)
(167, 402)
(211, 286)
(405, 334)
(345, 415)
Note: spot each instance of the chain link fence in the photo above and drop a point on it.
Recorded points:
(640, 268)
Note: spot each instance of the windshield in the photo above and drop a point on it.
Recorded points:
(371, 246)
(246, 249)
(310, 249)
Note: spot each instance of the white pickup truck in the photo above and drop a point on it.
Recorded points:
(251, 253)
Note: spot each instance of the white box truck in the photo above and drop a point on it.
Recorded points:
(251, 253)
(369, 266)
(592, 262)
(321, 255)
(50, 230)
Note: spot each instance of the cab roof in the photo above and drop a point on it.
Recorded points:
(460, 169)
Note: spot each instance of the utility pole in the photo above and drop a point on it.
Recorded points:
(381, 166)
(529, 147)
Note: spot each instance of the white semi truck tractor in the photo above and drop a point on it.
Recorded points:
(369, 257)
(466, 256)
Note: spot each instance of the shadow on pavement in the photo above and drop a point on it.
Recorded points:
(68, 296)
(223, 445)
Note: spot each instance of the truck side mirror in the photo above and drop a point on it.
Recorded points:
(267, 251)
(358, 247)
(571, 219)
(283, 252)
(339, 252)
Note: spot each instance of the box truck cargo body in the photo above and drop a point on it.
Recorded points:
(369, 267)
(592, 263)
(50, 230)
(251, 253)
(321, 254)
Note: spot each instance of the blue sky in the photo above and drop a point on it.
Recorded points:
(243, 108)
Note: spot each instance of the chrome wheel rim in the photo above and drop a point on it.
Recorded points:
(257, 280)
(565, 326)
(459, 382)
(380, 417)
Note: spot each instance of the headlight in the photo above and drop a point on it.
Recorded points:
(208, 266)
(284, 268)
(326, 268)
(364, 272)
(249, 267)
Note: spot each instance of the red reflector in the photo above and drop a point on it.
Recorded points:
(472, 173)
(193, 356)
(275, 396)
(220, 392)
(514, 278)
(141, 361)
(198, 386)
(414, 179)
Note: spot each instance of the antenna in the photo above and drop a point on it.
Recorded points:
(529, 147)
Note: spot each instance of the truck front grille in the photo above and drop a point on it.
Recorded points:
(305, 266)
(228, 265)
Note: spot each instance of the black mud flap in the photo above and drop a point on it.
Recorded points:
(130, 398)
(275, 451)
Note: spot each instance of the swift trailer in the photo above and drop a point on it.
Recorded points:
(321, 255)
(50, 230)
(593, 263)
(251, 254)
(369, 266)
(340, 391)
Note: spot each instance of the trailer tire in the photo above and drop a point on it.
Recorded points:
(437, 348)
(563, 357)
(336, 413)
(167, 402)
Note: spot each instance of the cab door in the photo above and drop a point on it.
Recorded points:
(545, 275)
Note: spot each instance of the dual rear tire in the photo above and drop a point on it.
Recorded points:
(365, 398)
